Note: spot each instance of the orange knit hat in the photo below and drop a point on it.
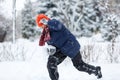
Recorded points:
(39, 18)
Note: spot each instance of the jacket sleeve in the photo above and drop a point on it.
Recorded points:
(54, 25)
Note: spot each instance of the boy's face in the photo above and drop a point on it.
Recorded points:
(44, 22)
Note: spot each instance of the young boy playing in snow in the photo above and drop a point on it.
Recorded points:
(57, 35)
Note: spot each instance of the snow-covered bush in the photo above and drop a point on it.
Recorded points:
(5, 27)
(101, 52)
(110, 27)
(23, 50)
(12, 52)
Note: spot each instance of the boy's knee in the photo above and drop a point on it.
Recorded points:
(52, 62)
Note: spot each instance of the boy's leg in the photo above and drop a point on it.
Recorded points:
(53, 61)
(82, 66)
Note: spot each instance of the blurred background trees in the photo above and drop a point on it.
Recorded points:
(84, 18)
(28, 23)
(5, 25)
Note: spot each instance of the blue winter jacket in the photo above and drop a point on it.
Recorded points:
(62, 38)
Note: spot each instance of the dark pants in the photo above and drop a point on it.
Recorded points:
(58, 57)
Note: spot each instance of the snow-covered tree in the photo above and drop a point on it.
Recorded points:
(111, 27)
(83, 18)
(91, 18)
(28, 23)
(5, 29)
(47, 7)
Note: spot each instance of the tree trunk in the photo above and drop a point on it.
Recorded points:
(14, 19)
(2, 35)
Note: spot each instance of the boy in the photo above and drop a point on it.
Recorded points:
(57, 35)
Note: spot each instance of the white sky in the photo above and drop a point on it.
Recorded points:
(20, 4)
(7, 6)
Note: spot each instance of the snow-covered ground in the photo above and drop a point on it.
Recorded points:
(37, 70)
(29, 61)
(34, 66)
